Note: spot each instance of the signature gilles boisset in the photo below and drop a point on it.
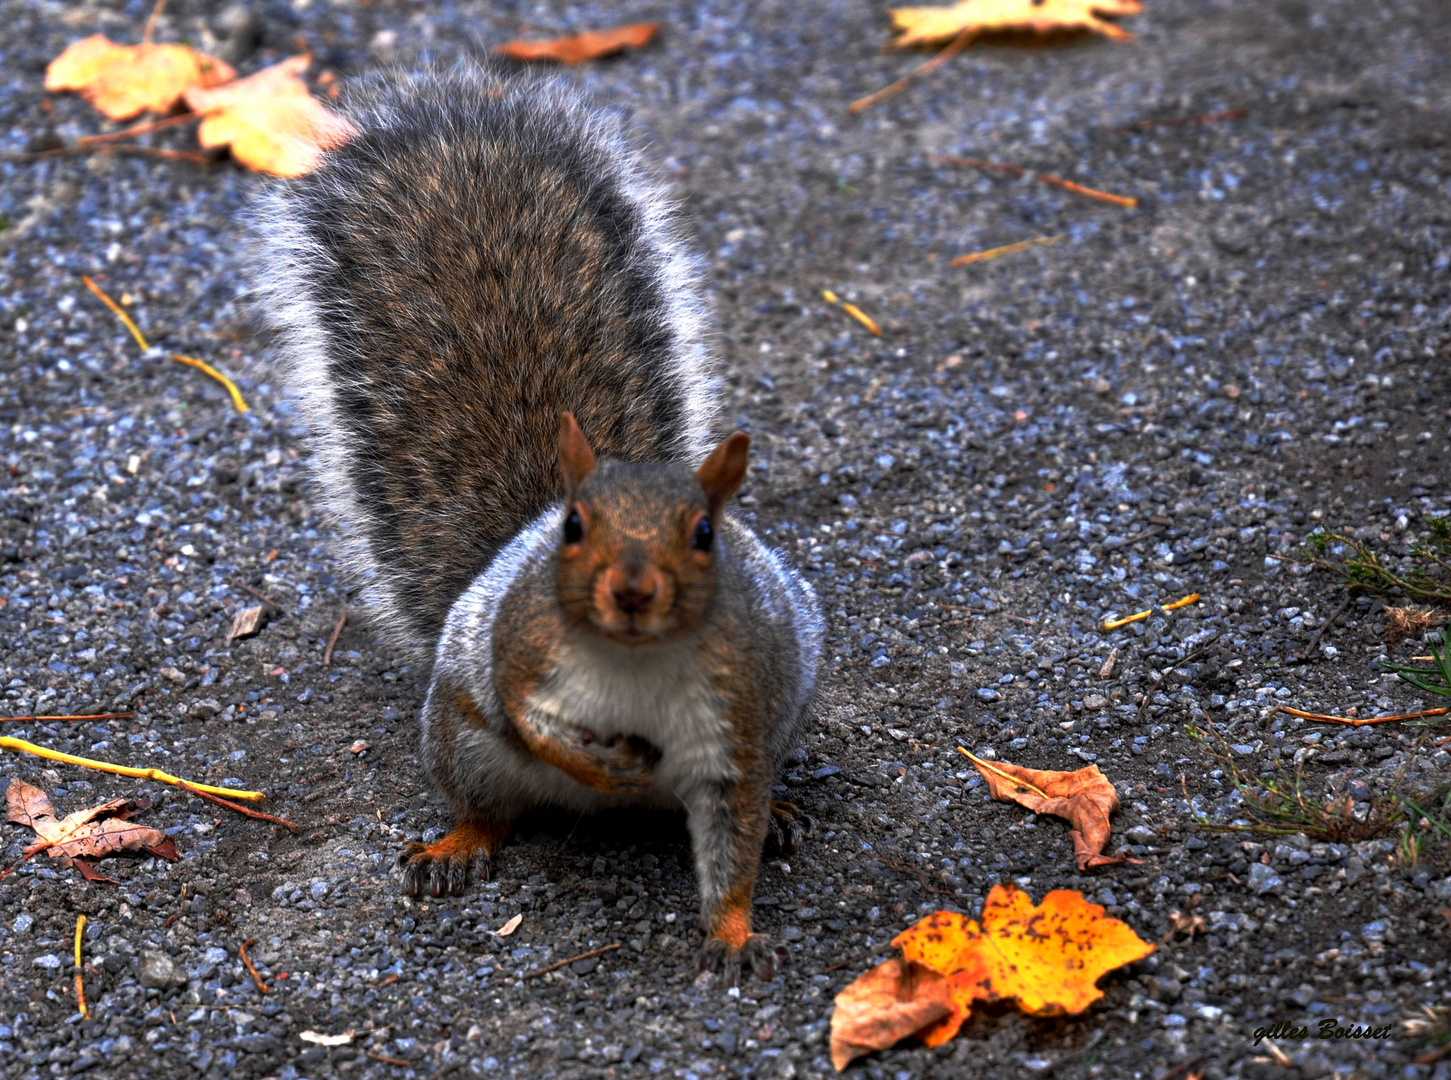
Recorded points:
(1329, 1028)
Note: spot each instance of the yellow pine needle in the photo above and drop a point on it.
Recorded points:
(120, 314)
(1114, 624)
(1006, 249)
(202, 365)
(21, 746)
(855, 312)
(80, 984)
(1009, 777)
(190, 361)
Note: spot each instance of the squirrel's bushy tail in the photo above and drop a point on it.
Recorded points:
(483, 257)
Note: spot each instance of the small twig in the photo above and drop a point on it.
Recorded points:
(139, 129)
(190, 361)
(955, 46)
(1182, 1067)
(246, 811)
(565, 963)
(327, 656)
(388, 981)
(1310, 649)
(855, 312)
(80, 982)
(107, 148)
(1362, 721)
(1114, 624)
(265, 599)
(151, 22)
(385, 1059)
(1006, 249)
(45, 719)
(251, 970)
(23, 747)
(1047, 178)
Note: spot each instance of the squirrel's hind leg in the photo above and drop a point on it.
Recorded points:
(442, 868)
(789, 826)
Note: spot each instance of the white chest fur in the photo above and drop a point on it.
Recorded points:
(661, 694)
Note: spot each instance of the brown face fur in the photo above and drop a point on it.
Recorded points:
(637, 551)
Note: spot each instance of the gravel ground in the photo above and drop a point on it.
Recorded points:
(1157, 405)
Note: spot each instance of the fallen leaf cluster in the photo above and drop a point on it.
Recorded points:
(1045, 957)
(85, 837)
(270, 120)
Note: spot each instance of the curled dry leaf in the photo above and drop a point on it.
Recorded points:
(1084, 798)
(940, 25)
(87, 835)
(270, 120)
(123, 81)
(577, 48)
(895, 999)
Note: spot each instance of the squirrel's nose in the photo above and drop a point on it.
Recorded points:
(634, 589)
(634, 600)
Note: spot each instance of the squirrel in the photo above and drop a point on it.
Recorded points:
(497, 339)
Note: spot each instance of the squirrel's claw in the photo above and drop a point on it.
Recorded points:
(755, 955)
(442, 869)
(789, 826)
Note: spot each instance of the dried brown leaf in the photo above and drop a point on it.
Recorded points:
(895, 999)
(1084, 798)
(577, 48)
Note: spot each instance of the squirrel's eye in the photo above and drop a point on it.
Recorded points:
(701, 538)
(573, 528)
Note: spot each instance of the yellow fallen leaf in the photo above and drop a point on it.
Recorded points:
(510, 926)
(270, 120)
(125, 80)
(939, 25)
(327, 1040)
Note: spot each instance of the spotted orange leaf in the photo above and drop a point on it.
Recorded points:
(1046, 957)
(940, 25)
(270, 120)
(577, 48)
(125, 80)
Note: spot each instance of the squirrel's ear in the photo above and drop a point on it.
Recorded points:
(724, 470)
(576, 459)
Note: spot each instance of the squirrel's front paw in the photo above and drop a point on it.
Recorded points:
(442, 868)
(755, 954)
(627, 761)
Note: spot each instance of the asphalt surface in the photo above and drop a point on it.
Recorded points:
(1156, 405)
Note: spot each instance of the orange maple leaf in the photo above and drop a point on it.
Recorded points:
(125, 80)
(270, 120)
(1085, 798)
(937, 25)
(577, 48)
(1046, 957)
(895, 999)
